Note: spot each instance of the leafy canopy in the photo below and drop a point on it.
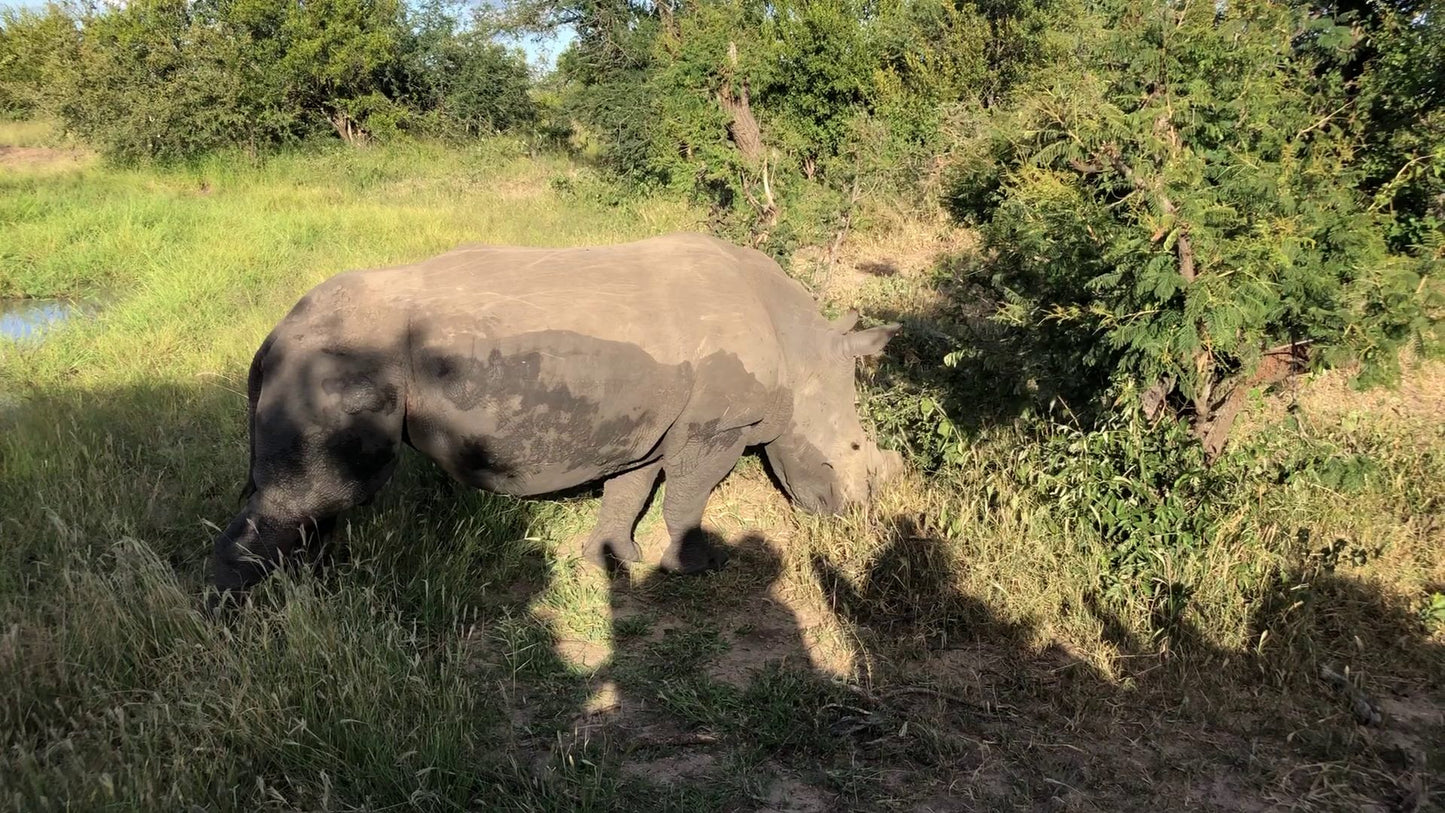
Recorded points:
(1178, 206)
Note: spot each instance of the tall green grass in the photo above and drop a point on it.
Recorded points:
(428, 667)
(28, 133)
(122, 446)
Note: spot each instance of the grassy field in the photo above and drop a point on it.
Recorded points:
(951, 648)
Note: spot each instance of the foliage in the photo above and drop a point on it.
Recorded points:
(1180, 203)
(173, 79)
(784, 118)
(1433, 613)
(1135, 497)
(152, 79)
(1401, 119)
(36, 46)
(466, 83)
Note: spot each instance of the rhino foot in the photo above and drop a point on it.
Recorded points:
(603, 551)
(697, 553)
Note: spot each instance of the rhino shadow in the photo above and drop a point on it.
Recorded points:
(164, 462)
(157, 463)
(711, 694)
(1166, 722)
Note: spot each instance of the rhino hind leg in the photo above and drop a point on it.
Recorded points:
(623, 498)
(690, 481)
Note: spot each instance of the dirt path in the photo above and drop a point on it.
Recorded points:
(13, 157)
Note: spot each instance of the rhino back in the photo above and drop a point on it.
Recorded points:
(533, 370)
(678, 298)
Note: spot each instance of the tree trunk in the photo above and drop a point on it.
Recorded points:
(837, 243)
(1278, 364)
(743, 127)
(747, 136)
(346, 127)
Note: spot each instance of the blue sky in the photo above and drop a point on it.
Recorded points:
(543, 52)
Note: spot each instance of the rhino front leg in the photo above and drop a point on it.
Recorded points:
(623, 498)
(689, 485)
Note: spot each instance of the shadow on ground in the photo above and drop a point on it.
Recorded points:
(710, 698)
(356, 685)
(1029, 725)
(712, 692)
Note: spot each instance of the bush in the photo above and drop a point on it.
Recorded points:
(153, 79)
(1402, 121)
(783, 118)
(1137, 498)
(172, 79)
(1178, 209)
(36, 48)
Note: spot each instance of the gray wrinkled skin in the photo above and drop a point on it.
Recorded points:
(529, 371)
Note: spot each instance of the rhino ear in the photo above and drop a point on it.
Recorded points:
(844, 323)
(868, 342)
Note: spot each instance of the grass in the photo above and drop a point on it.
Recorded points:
(949, 648)
(28, 133)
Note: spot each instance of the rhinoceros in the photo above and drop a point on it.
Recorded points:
(532, 371)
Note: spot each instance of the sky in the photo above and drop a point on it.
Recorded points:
(542, 53)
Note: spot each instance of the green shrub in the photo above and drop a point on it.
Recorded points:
(1177, 207)
(785, 119)
(168, 79)
(36, 47)
(1138, 498)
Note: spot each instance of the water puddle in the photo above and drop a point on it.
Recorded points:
(30, 319)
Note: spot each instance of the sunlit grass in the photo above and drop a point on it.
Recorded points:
(28, 133)
(459, 656)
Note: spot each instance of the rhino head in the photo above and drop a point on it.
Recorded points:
(824, 459)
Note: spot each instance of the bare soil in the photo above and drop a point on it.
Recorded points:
(36, 157)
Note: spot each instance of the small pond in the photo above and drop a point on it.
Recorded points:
(29, 319)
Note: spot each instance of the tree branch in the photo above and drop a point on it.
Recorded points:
(1322, 122)
(1183, 246)
(742, 124)
(1278, 364)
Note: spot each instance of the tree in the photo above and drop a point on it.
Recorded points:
(778, 115)
(1177, 209)
(1400, 98)
(462, 79)
(152, 79)
(340, 59)
(36, 46)
(170, 79)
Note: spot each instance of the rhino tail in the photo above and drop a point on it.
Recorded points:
(253, 395)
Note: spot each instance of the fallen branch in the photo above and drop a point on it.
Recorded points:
(904, 691)
(681, 740)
